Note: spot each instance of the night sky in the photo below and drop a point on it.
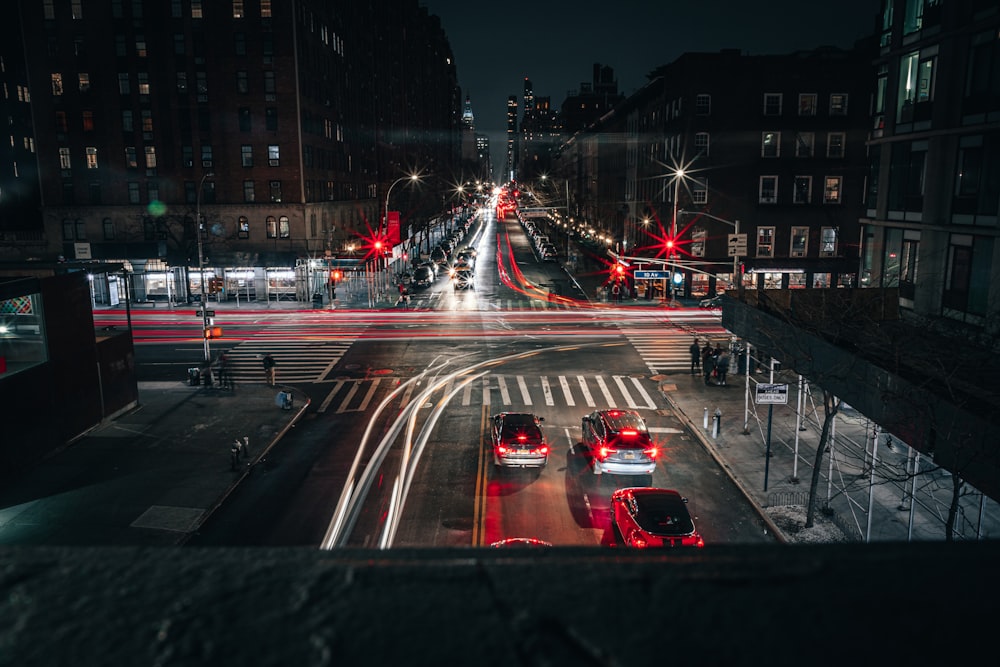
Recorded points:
(555, 44)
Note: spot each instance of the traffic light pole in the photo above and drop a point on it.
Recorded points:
(201, 268)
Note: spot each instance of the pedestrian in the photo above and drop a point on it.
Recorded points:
(716, 353)
(234, 456)
(695, 357)
(222, 363)
(722, 367)
(269, 368)
(708, 365)
(616, 293)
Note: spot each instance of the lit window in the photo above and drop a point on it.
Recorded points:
(238, 9)
(831, 190)
(64, 161)
(130, 157)
(765, 241)
(140, 46)
(206, 155)
(143, 83)
(838, 104)
(284, 229)
(800, 241)
(243, 227)
(265, 8)
(84, 81)
(768, 190)
(770, 144)
(273, 155)
(246, 155)
(196, 12)
(150, 157)
(828, 241)
(272, 227)
(88, 121)
(274, 188)
(57, 83)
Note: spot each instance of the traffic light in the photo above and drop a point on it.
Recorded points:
(619, 271)
(335, 276)
(678, 277)
(670, 246)
(213, 332)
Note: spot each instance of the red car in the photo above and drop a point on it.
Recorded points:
(646, 517)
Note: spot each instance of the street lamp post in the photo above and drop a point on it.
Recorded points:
(201, 266)
(413, 178)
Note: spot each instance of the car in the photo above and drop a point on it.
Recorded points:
(433, 266)
(465, 257)
(619, 443)
(423, 276)
(462, 277)
(518, 440)
(439, 256)
(650, 518)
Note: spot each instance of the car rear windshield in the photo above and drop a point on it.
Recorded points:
(663, 515)
(516, 426)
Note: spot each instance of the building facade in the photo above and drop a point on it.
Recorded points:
(282, 124)
(930, 227)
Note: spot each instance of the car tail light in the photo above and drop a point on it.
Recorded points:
(544, 449)
(605, 452)
(695, 540)
(522, 438)
(651, 452)
(630, 433)
(502, 449)
(638, 541)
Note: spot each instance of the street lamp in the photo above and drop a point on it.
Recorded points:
(413, 178)
(201, 266)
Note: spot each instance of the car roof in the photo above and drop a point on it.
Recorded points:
(662, 511)
(622, 419)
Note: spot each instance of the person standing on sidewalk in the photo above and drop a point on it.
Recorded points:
(695, 357)
(225, 380)
(708, 366)
(269, 368)
(722, 367)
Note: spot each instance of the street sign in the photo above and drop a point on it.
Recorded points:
(737, 245)
(206, 313)
(639, 274)
(772, 393)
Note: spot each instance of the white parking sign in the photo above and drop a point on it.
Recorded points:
(772, 393)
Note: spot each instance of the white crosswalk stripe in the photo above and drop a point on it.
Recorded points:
(298, 361)
(668, 351)
(498, 391)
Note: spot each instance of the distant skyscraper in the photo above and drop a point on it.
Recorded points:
(529, 96)
(511, 136)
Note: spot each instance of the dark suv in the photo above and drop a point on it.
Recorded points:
(618, 443)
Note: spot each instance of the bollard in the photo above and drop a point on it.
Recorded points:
(705, 422)
(716, 423)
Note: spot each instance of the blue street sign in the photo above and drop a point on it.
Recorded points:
(650, 275)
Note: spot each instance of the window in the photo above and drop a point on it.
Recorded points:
(150, 157)
(187, 156)
(109, 229)
(61, 125)
(274, 187)
(909, 94)
(206, 155)
(238, 9)
(271, 118)
(800, 242)
(804, 142)
(180, 46)
(831, 190)
(272, 227)
(242, 82)
(976, 191)
(802, 190)
(240, 44)
(91, 152)
(244, 119)
(201, 85)
(967, 277)
(284, 229)
(269, 87)
(196, 12)
(835, 145)
(121, 50)
(153, 192)
(57, 84)
(698, 238)
(127, 120)
(703, 105)
(907, 176)
(81, 229)
(182, 83)
(76, 9)
(130, 158)
(246, 155)
(49, 9)
(838, 104)
(249, 194)
(123, 84)
(83, 79)
(828, 241)
(807, 104)
(147, 122)
(64, 161)
(265, 8)
(770, 143)
(699, 191)
(133, 192)
(273, 155)
(88, 121)
(140, 46)
(243, 227)
(772, 104)
(768, 190)
(701, 141)
(143, 83)
(765, 241)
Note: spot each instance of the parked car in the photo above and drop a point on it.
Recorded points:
(645, 517)
(711, 302)
(462, 277)
(423, 276)
(618, 442)
(439, 256)
(518, 441)
(549, 253)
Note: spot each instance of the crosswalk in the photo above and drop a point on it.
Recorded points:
(298, 360)
(505, 392)
(669, 351)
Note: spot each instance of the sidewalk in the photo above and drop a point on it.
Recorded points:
(152, 476)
